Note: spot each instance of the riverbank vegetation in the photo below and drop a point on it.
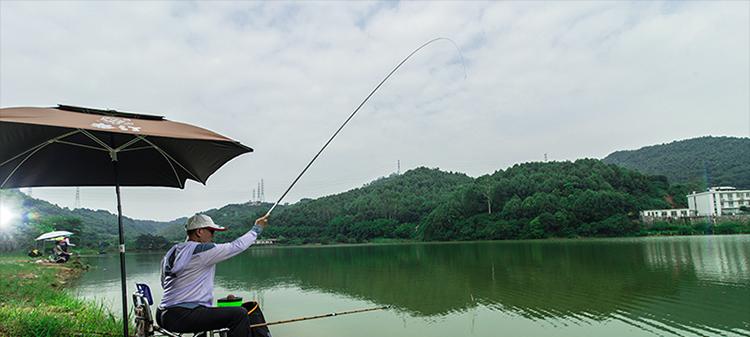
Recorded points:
(682, 228)
(584, 198)
(94, 230)
(34, 302)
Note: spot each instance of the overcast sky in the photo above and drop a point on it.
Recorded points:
(568, 79)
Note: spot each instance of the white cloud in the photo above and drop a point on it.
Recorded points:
(572, 79)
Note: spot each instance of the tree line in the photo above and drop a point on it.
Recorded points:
(584, 198)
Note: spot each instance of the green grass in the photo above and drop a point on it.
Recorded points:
(34, 302)
(679, 228)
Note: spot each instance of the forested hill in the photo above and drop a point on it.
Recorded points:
(685, 161)
(92, 228)
(397, 199)
(533, 200)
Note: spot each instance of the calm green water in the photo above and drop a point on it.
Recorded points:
(680, 286)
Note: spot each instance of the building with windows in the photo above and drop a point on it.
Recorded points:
(672, 213)
(718, 201)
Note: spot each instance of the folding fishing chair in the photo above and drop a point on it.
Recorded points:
(145, 326)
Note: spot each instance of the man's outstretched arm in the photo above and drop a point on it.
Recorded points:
(222, 251)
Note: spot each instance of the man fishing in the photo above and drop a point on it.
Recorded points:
(60, 253)
(187, 276)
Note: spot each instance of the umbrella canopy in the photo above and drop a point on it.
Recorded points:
(75, 146)
(53, 235)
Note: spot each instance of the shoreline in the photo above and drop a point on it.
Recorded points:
(408, 242)
(35, 301)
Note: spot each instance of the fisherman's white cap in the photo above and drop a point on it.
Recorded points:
(202, 221)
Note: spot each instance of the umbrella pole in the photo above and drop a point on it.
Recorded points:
(122, 255)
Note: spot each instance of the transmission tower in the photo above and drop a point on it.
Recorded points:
(398, 167)
(262, 191)
(78, 197)
(253, 199)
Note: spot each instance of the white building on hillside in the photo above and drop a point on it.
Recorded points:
(718, 201)
(672, 213)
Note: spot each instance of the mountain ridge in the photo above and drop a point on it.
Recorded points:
(400, 206)
(725, 159)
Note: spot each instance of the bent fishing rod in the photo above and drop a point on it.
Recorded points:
(357, 110)
(318, 316)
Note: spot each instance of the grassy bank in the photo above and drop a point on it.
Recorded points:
(34, 302)
(680, 228)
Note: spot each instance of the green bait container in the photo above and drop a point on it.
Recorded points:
(229, 302)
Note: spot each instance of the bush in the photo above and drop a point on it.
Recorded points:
(405, 231)
(731, 227)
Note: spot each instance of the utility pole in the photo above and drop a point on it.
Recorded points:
(78, 197)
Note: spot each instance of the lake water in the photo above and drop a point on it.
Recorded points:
(670, 286)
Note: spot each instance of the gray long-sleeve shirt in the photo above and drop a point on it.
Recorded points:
(187, 271)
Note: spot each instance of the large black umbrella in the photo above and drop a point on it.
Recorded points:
(74, 146)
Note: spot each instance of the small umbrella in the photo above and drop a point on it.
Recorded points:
(53, 235)
(75, 146)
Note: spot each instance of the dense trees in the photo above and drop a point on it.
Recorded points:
(538, 200)
(527, 201)
(725, 159)
(390, 207)
(151, 242)
(91, 228)
(532, 200)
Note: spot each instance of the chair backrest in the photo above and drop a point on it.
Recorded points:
(145, 291)
(142, 301)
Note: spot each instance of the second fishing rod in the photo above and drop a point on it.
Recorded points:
(357, 110)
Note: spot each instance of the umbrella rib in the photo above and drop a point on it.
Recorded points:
(33, 150)
(80, 145)
(131, 142)
(169, 161)
(45, 143)
(23, 153)
(97, 140)
(21, 163)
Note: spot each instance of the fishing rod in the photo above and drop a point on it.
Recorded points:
(318, 316)
(357, 109)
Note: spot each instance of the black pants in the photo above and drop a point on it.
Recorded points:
(204, 319)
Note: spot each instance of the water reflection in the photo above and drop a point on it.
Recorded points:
(692, 285)
(719, 260)
(665, 284)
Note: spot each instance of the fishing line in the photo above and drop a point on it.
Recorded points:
(360, 106)
(333, 314)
